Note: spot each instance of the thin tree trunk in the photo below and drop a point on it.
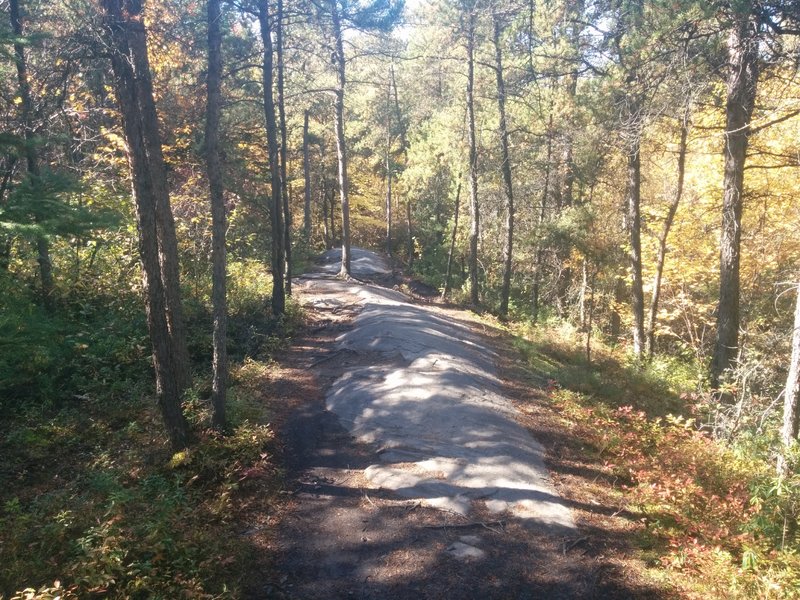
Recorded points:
(662, 240)
(590, 317)
(326, 236)
(389, 170)
(218, 219)
(332, 205)
(306, 182)
(276, 205)
(287, 215)
(31, 154)
(791, 395)
(633, 222)
(450, 252)
(410, 235)
(474, 231)
(131, 73)
(742, 83)
(584, 289)
(506, 169)
(539, 260)
(341, 147)
(6, 241)
(565, 193)
(616, 316)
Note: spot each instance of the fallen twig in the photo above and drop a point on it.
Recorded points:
(332, 355)
(571, 545)
(486, 524)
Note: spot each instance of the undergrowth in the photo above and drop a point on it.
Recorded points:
(92, 501)
(713, 520)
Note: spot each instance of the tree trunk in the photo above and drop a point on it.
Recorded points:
(31, 154)
(474, 294)
(389, 170)
(127, 41)
(306, 182)
(616, 313)
(539, 259)
(633, 222)
(218, 218)
(662, 240)
(452, 241)
(326, 235)
(341, 148)
(276, 205)
(287, 215)
(410, 235)
(506, 169)
(791, 395)
(742, 84)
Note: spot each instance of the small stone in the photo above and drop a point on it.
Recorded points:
(462, 551)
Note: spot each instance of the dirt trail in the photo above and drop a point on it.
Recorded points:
(413, 478)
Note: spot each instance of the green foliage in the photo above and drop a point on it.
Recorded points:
(40, 206)
(714, 518)
(120, 520)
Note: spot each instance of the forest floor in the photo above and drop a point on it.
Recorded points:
(423, 461)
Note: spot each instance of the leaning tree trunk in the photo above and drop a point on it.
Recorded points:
(662, 240)
(31, 154)
(742, 83)
(276, 205)
(474, 294)
(218, 219)
(306, 182)
(341, 147)
(127, 43)
(791, 397)
(287, 214)
(506, 169)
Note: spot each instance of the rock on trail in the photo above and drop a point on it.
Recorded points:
(430, 404)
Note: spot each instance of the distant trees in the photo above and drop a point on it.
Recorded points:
(565, 162)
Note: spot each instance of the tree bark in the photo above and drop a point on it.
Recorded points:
(506, 169)
(389, 169)
(127, 41)
(276, 204)
(741, 95)
(539, 259)
(474, 293)
(326, 235)
(31, 153)
(287, 214)
(341, 147)
(219, 363)
(410, 235)
(662, 240)
(634, 224)
(306, 182)
(791, 395)
(450, 252)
